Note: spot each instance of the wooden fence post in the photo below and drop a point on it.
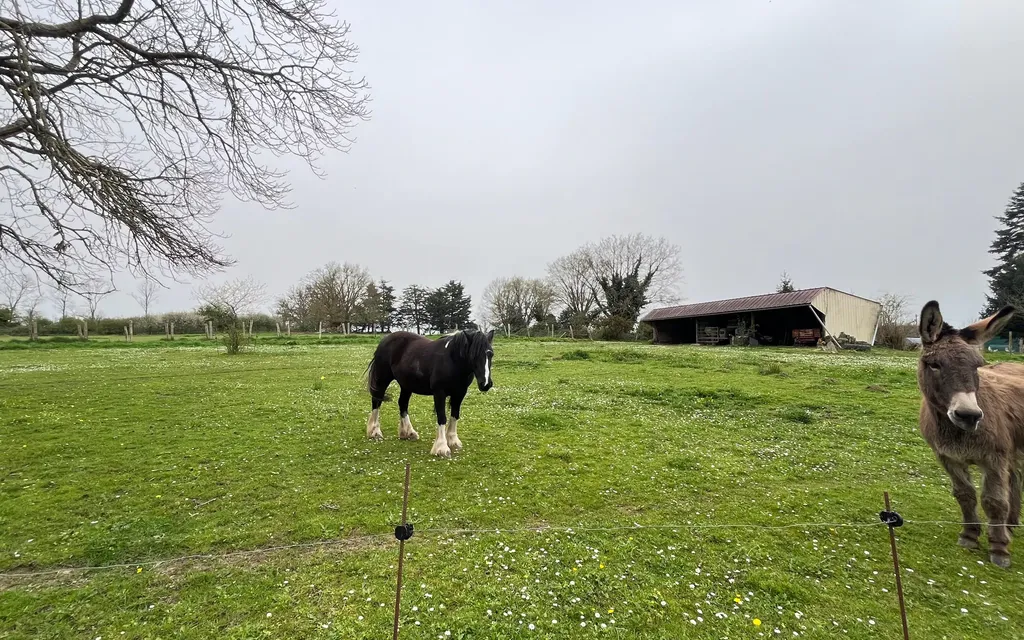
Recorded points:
(126, 338)
(85, 325)
(278, 326)
(131, 331)
(571, 335)
(320, 331)
(172, 331)
(34, 333)
(288, 327)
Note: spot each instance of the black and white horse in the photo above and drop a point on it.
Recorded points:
(443, 368)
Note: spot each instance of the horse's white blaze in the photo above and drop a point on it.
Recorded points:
(487, 370)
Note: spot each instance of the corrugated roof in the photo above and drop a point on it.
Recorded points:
(800, 298)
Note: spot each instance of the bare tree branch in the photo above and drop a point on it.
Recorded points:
(146, 295)
(123, 123)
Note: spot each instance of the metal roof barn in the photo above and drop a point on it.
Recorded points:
(796, 317)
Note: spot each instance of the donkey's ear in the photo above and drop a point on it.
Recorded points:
(931, 322)
(987, 328)
(490, 335)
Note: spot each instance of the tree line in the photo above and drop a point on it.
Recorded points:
(345, 298)
(602, 285)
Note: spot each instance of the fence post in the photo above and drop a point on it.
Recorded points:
(172, 331)
(288, 327)
(85, 329)
(894, 520)
(126, 338)
(277, 325)
(131, 331)
(34, 334)
(572, 336)
(320, 330)
(403, 533)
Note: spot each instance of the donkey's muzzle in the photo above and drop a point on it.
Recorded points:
(967, 419)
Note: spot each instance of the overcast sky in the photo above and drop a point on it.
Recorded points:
(864, 146)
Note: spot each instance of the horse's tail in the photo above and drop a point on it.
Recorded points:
(371, 380)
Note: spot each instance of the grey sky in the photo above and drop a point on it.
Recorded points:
(865, 146)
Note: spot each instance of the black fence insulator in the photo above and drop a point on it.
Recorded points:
(891, 518)
(403, 531)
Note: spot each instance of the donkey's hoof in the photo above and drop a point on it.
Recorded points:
(968, 543)
(1001, 560)
(441, 450)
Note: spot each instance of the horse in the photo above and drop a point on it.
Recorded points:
(442, 368)
(974, 414)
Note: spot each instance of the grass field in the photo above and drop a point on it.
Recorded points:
(129, 455)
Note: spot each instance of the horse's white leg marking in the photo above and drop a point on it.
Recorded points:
(405, 430)
(373, 426)
(440, 447)
(452, 436)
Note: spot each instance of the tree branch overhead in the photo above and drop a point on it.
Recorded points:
(123, 124)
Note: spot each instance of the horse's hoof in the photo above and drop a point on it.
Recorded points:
(455, 444)
(412, 435)
(441, 450)
(1001, 560)
(968, 543)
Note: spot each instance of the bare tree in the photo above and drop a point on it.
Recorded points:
(93, 292)
(630, 272)
(17, 287)
(126, 121)
(517, 302)
(894, 321)
(331, 294)
(146, 295)
(234, 299)
(227, 305)
(61, 297)
(573, 283)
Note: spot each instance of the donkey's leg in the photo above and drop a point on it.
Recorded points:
(373, 424)
(995, 500)
(1015, 496)
(405, 430)
(967, 497)
(440, 447)
(453, 423)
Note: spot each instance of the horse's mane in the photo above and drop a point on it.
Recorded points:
(468, 345)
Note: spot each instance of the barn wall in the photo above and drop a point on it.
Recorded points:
(848, 314)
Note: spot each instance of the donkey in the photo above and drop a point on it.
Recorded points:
(443, 368)
(974, 414)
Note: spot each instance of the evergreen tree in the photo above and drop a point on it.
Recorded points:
(460, 305)
(785, 284)
(369, 312)
(437, 310)
(388, 310)
(449, 308)
(413, 310)
(1006, 278)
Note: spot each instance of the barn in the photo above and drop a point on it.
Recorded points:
(792, 318)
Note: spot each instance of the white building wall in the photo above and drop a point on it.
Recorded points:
(845, 313)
